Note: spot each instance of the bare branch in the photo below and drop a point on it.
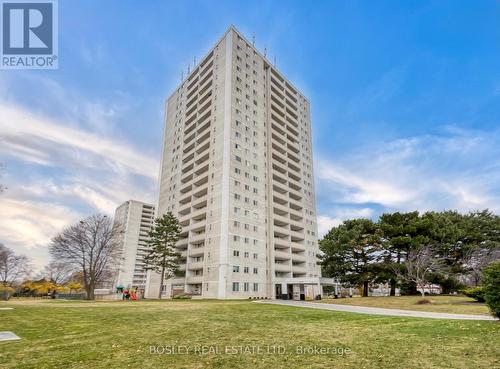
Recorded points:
(13, 267)
(90, 247)
(419, 265)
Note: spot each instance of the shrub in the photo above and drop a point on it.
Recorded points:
(477, 293)
(424, 302)
(491, 287)
(182, 297)
(6, 292)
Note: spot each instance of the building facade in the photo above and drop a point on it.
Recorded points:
(135, 219)
(237, 170)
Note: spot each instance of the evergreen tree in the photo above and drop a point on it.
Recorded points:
(352, 253)
(161, 255)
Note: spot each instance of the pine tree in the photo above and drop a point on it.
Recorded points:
(161, 255)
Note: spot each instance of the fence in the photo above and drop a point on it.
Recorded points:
(65, 296)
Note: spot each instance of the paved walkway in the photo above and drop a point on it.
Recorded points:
(376, 311)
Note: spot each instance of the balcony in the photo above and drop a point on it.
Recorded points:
(182, 243)
(281, 255)
(194, 279)
(184, 211)
(298, 257)
(280, 220)
(197, 265)
(297, 247)
(282, 268)
(200, 202)
(196, 251)
(197, 238)
(280, 231)
(298, 269)
(297, 236)
(282, 243)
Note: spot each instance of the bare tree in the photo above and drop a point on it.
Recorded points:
(419, 265)
(90, 247)
(478, 259)
(57, 272)
(13, 267)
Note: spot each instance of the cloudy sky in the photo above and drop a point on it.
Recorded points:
(405, 105)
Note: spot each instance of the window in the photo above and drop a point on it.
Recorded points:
(236, 253)
(246, 286)
(246, 254)
(255, 256)
(236, 286)
(236, 269)
(255, 287)
(255, 271)
(246, 270)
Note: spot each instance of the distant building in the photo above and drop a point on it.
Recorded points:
(237, 170)
(136, 219)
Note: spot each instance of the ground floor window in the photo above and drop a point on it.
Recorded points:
(236, 286)
(246, 286)
(255, 287)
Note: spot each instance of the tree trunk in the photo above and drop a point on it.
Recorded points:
(422, 291)
(161, 282)
(393, 287)
(90, 291)
(365, 289)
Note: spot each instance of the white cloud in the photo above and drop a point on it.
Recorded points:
(43, 141)
(458, 170)
(326, 222)
(28, 226)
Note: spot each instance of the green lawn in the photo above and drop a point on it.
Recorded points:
(440, 304)
(58, 334)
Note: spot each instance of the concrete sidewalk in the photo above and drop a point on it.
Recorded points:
(376, 311)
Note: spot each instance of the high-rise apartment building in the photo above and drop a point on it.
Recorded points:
(237, 170)
(135, 219)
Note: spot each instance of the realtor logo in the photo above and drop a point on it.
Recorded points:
(29, 34)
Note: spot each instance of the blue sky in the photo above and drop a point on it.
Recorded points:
(405, 102)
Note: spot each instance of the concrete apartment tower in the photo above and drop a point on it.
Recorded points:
(136, 218)
(237, 170)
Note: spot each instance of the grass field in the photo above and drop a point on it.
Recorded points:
(440, 304)
(57, 334)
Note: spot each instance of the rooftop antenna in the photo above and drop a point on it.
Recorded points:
(194, 62)
(265, 52)
(189, 68)
(274, 61)
(253, 39)
(182, 75)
